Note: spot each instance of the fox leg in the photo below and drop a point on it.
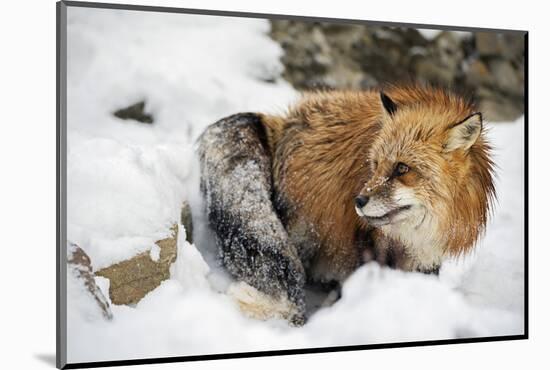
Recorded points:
(236, 180)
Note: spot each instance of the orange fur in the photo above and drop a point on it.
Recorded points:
(332, 146)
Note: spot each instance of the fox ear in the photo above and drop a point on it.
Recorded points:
(464, 134)
(388, 104)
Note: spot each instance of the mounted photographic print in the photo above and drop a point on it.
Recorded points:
(236, 184)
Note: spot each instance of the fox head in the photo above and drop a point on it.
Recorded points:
(430, 176)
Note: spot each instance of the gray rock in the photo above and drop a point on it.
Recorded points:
(495, 109)
(488, 43)
(507, 46)
(135, 112)
(506, 77)
(343, 56)
(428, 71)
(513, 48)
(477, 74)
(187, 221)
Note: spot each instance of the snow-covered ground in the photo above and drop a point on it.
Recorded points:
(127, 180)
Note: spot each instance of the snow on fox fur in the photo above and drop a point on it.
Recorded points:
(403, 177)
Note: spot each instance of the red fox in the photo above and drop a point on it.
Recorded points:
(402, 176)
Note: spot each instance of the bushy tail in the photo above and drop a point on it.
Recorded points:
(236, 181)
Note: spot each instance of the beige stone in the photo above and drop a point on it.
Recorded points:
(132, 279)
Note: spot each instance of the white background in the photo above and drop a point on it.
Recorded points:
(27, 195)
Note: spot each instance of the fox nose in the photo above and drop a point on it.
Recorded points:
(361, 201)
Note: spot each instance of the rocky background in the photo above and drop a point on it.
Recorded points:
(327, 55)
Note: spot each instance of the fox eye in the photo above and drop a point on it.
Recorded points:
(400, 169)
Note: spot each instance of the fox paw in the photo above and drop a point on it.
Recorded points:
(261, 306)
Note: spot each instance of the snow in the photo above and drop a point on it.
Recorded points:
(189, 269)
(127, 181)
(431, 34)
(154, 253)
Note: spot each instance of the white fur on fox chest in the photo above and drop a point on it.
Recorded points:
(420, 240)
